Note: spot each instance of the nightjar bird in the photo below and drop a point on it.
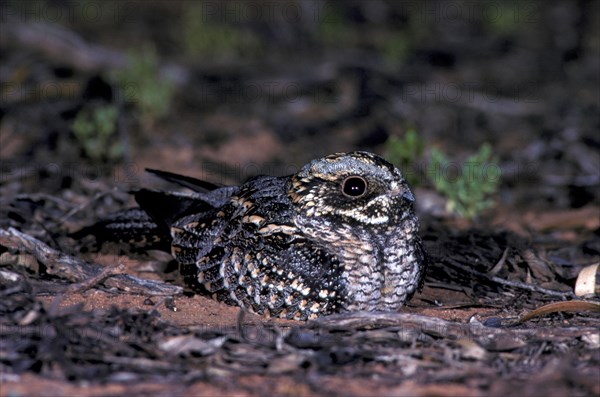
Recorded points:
(339, 235)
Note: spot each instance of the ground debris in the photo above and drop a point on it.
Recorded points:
(79, 271)
(131, 345)
(121, 345)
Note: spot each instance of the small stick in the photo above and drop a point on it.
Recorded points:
(79, 271)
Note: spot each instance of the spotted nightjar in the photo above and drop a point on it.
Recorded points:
(339, 235)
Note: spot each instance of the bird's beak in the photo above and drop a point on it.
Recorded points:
(403, 192)
(408, 196)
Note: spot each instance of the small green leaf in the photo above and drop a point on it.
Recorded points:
(471, 192)
(95, 127)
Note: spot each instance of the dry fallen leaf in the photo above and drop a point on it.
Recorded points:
(569, 306)
(588, 281)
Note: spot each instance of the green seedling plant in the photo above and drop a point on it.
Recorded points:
(406, 152)
(95, 128)
(150, 93)
(470, 188)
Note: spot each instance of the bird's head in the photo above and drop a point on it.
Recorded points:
(359, 208)
(358, 188)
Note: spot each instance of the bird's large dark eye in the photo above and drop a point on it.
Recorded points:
(354, 186)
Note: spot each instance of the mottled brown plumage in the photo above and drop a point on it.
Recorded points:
(339, 235)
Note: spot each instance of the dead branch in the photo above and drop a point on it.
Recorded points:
(79, 271)
(357, 320)
(59, 43)
(514, 284)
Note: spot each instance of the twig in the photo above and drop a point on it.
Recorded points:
(81, 206)
(356, 320)
(57, 263)
(139, 286)
(514, 284)
(79, 271)
(60, 43)
(98, 279)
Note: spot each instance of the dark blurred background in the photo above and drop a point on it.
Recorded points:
(95, 91)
